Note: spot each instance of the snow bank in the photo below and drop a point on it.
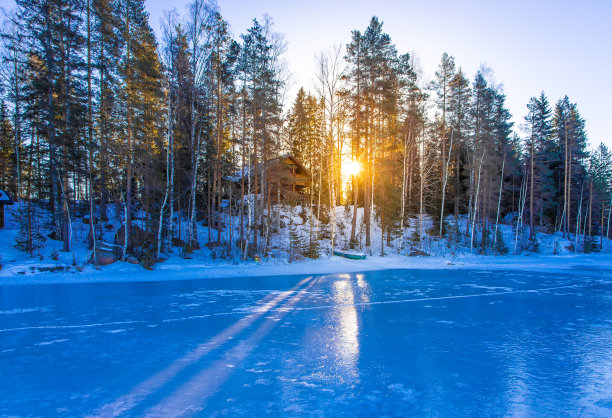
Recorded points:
(178, 269)
(50, 265)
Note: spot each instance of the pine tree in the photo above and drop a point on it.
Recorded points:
(379, 80)
(299, 135)
(133, 139)
(458, 107)
(261, 76)
(55, 40)
(354, 76)
(539, 152)
(105, 55)
(600, 174)
(14, 56)
(570, 171)
(491, 128)
(442, 87)
(7, 153)
(224, 54)
(32, 231)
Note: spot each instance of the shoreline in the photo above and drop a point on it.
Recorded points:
(177, 269)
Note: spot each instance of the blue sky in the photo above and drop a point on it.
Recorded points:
(559, 46)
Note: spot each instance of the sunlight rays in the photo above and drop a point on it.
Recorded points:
(350, 168)
(193, 394)
(155, 382)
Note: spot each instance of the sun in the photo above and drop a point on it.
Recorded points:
(350, 168)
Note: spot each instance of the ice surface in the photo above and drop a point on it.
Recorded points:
(458, 342)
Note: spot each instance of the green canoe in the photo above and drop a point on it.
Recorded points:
(352, 256)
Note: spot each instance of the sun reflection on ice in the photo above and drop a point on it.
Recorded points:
(346, 321)
(349, 328)
(364, 288)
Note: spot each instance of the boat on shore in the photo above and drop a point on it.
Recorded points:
(350, 255)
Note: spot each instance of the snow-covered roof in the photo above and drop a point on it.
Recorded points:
(5, 198)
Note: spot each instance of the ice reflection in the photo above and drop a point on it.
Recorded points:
(595, 370)
(518, 390)
(348, 329)
(346, 292)
(364, 288)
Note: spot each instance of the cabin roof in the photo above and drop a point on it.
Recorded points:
(5, 199)
(246, 171)
(296, 162)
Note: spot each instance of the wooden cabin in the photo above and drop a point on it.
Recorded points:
(285, 171)
(4, 200)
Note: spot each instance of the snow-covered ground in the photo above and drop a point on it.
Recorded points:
(50, 265)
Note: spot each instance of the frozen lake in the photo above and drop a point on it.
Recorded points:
(396, 342)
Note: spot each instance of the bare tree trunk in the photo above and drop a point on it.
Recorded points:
(356, 146)
(608, 226)
(444, 181)
(17, 124)
(382, 227)
(355, 185)
(92, 232)
(311, 203)
(601, 225)
(53, 169)
(200, 13)
(209, 207)
(367, 185)
(578, 217)
(242, 174)
(531, 232)
(168, 179)
(521, 208)
(569, 193)
(125, 235)
(163, 208)
(501, 183)
(193, 233)
(251, 207)
(422, 185)
(476, 202)
(171, 182)
(332, 195)
(565, 194)
(372, 172)
(170, 163)
(256, 193)
(268, 217)
(102, 209)
(128, 195)
(319, 197)
(66, 227)
(404, 180)
(369, 176)
(590, 207)
(217, 174)
(471, 195)
(411, 163)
